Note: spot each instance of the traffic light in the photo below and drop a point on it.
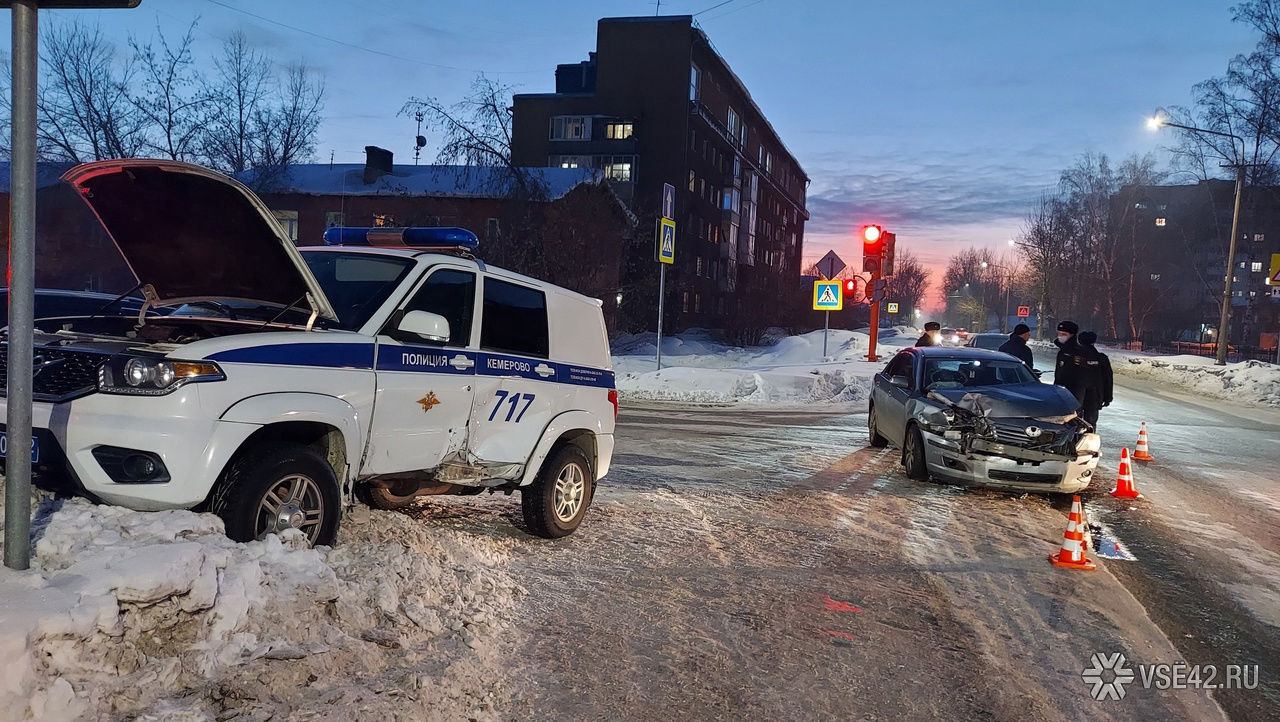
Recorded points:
(872, 247)
(850, 287)
(889, 240)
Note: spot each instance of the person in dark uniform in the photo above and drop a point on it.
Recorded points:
(1099, 387)
(1070, 371)
(930, 335)
(1017, 347)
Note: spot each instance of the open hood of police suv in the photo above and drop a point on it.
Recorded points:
(192, 234)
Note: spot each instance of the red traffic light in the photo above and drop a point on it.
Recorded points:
(871, 234)
(850, 287)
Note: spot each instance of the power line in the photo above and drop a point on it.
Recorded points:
(362, 48)
(713, 7)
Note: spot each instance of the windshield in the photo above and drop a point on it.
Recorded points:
(356, 284)
(954, 373)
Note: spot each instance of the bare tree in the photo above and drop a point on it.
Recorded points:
(240, 89)
(476, 131)
(172, 99)
(85, 110)
(909, 282)
(286, 133)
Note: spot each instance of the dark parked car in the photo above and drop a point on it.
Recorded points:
(980, 418)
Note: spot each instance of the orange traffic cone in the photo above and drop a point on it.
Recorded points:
(1124, 479)
(1072, 555)
(1142, 452)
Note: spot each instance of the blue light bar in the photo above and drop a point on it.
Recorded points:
(423, 238)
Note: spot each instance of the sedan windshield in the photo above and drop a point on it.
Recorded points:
(356, 284)
(954, 373)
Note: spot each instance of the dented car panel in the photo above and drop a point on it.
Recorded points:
(985, 421)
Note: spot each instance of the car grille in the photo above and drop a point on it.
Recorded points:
(1015, 434)
(65, 375)
(1023, 477)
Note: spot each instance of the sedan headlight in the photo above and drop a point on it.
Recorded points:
(147, 376)
(937, 420)
(1089, 444)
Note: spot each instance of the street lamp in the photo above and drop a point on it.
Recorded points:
(1158, 121)
(1004, 320)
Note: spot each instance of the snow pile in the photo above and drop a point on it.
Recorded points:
(791, 371)
(1247, 381)
(159, 616)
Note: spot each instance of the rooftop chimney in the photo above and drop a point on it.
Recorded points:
(377, 163)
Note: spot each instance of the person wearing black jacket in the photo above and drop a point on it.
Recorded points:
(930, 335)
(1099, 387)
(1017, 347)
(1072, 370)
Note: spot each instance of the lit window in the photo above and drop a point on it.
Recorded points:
(1243, 264)
(1257, 266)
(618, 168)
(382, 219)
(1155, 277)
(1259, 238)
(618, 131)
(1160, 222)
(570, 127)
(570, 161)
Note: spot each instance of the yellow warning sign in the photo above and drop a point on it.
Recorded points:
(1274, 278)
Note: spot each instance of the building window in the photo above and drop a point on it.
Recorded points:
(694, 74)
(697, 303)
(618, 168)
(698, 267)
(731, 123)
(768, 163)
(382, 219)
(492, 229)
(1160, 222)
(693, 181)
(618, 131)
(335, 219)
(684, 302)
(571, 127)
(1257, 266)
(1155, 277)
(1258, 238)
(570, 161)
(289, 222)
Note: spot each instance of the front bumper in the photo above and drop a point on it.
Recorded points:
(193, 447)
(945, 460)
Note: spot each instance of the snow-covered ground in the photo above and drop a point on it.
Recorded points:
(159, 616)
(787, 371)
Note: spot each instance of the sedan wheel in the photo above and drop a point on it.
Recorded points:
(876, 440)
(913, 455)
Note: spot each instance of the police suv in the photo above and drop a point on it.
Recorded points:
(390, 363)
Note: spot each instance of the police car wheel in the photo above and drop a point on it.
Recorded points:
(556, 501)
(877, 441)
(274, 487)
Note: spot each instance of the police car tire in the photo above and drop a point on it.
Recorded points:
(236, 496)
(537, 500)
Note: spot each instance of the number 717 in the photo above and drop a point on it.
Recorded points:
(511, 400)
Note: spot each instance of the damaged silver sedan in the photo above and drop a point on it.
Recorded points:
(980, 418)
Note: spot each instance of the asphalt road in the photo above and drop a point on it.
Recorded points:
(752, 563)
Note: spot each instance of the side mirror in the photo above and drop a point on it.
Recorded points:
(901, 382)
(430, 326)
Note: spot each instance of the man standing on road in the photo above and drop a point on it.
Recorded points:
(1073, 370)
(930, 335)
(1098, 389)
(1017, 345)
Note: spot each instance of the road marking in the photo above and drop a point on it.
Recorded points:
(842, 635)
(833, 605)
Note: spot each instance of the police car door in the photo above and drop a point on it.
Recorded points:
(425, 389)
(516, 389)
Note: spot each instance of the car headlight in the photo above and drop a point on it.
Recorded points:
(1089, 444)
(147, 376)
(937, 420)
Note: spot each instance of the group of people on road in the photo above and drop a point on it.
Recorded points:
(1080, 367)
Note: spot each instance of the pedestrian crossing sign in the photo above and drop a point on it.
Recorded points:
(827, 296)
(666, 245)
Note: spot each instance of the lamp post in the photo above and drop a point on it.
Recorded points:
(1156, 122)
(1004, 320)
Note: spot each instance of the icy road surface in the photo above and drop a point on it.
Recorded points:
(768, 564)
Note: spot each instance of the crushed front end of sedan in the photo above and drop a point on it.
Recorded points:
(1023, 436)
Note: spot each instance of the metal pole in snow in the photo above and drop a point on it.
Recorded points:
(22, 261)
(826, 326)
(662, 295)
